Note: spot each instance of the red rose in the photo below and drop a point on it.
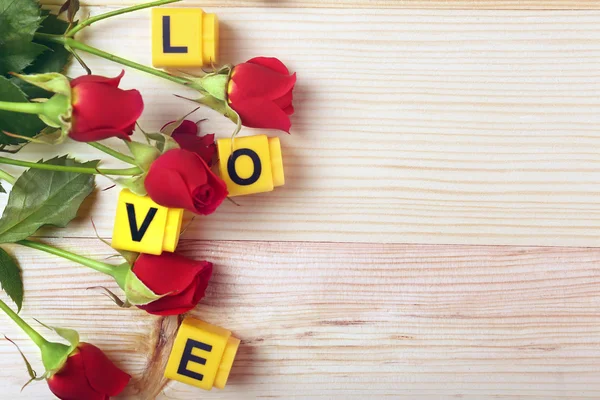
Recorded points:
(181, 280)
(88, 374)
(181, 179)
(102, 110)
(186, 135)
(260, 91)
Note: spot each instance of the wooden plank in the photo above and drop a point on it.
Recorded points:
(471, 127)
(407, 4)
(325, 320)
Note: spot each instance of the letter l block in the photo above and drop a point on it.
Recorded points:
(184, 37)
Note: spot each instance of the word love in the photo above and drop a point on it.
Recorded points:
(143, 226)
(184, 37)
(202, 355)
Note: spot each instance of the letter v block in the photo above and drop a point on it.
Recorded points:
(143, 226)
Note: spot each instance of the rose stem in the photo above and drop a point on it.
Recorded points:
(93, 264)
(22, 107)
(116, 154)
(36, 337)
(74, 44)
(82, 170)
(109, 14)
(7, 177)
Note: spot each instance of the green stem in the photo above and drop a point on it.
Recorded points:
(116, 154)
(100, 17)
(32, 333)
(95, 265)
(74, 44)
(7, 177)
(81, 170)
(22, 107)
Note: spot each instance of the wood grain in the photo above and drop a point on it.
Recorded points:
(348, 321)
(412, 126)
(408, 4)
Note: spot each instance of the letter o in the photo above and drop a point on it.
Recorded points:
(233, 173)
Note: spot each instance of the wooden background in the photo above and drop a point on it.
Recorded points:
(435, 237)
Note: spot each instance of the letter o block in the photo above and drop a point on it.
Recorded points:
(143, 226)
(202, 355)
(184, 37)
(255, 166)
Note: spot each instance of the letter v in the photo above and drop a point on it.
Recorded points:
(138, 234)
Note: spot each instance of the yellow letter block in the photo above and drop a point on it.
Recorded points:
(143, 226)
(184, 37)
(256, 165)
(202, 355)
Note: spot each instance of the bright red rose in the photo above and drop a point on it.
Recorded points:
(88, 374)
(183, 281)
(186, 135)
(181, 179)
(260, 91)
(102, 110)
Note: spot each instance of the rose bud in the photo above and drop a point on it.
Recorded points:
(88, 374)
(260, 91)
(186, 135)
(76, 371)
(102, 110)
(168, 284)
(87, 109)
(180, 281)
(182, 179)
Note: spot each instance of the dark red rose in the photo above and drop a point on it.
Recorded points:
(260, 91)
(181, 179)
(183, 281)
(186, 135)
(88, 374)
(102, 110)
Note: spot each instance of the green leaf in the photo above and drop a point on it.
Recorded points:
(19, 19)
(21, 124)
(55, 59)
(2, 190)
(41, 197)
(10, 278)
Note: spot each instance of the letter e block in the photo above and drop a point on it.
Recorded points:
(202, 355)
(143, 226)
(184, 37)
(255, 166)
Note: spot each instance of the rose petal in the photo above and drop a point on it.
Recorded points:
(99, 134)
(184, 302)
(184, 284)
(98, 106)
(102, 374)
(262, 114)
(253, 80)
(98, 79)
(204, 146)
(168, 188)
(187, 127)
(284, 101)
(71, 383)
(289, 110)
(270, 62)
